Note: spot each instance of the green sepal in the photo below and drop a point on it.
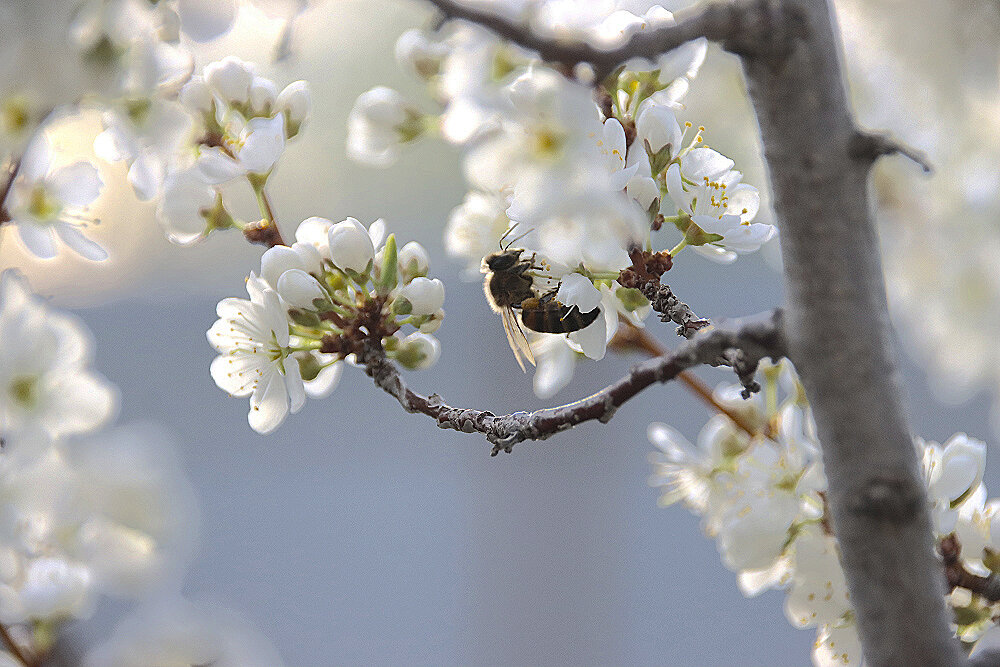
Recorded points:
(388, 275)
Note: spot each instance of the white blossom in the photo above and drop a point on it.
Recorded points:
(230, 79)
(253, 147)
(254, 360)
(46, 202)
(46, 384)
(419, 351)
(720, 205)
(380, 122)
(186, 206)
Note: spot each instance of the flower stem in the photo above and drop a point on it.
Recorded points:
(259, 184)
(677, 248)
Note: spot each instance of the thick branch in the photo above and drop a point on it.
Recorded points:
(755, 338)
(740, 27)
(839, 337)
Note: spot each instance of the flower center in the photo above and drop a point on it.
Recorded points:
(547, 143)
(41, 205)
(15, 114)
(24, 390)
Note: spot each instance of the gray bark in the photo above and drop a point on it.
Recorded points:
(839, 337)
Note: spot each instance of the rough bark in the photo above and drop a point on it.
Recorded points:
(839, 337)
(741, 344)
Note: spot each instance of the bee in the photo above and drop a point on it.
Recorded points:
(509, 288)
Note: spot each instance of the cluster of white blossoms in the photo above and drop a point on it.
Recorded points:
(585, 169)
(762, 498)
(338, 287)
(227, 124)
(85, 510)
(181, 136)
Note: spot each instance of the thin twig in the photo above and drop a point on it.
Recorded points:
(15, 648)
(12, 168)
(957, 576)
(741, 27)
(757, 338)
(640, 338)
(871, 146)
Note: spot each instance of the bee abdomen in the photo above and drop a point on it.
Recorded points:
(554, 317)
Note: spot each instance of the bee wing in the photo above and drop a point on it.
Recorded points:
(516, 339)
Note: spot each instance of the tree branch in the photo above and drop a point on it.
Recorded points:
(741, 27)
(839, 337)
(15, 648)
(755, 338)
(956, 574)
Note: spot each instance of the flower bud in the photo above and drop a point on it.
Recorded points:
(658, 127)
(296, 103)
(315, 231)
(275, 261)
(351, 247)
(379, 122)
(425, 294)
(197, 96)
(419, 53)
(418, 351)
(262, 95)
(230, 79)
(434, 323)
(299, 289)
(413, 261)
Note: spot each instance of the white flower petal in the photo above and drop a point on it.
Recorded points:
(72, 237)
(78, 184)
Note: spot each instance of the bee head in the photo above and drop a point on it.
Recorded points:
(504, 260)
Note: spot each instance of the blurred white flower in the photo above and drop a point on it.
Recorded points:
(45, 202)
(380, 122)
(204, 20)
(147, 141)
(837, 646)
(186, 206)
(230, 79)
(250, 148)
(172, 631)
(295, 102)
(475, 227)
(46, 384)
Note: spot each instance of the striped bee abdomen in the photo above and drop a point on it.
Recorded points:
(550, 316)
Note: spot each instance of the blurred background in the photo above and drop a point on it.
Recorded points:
(358, 534)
